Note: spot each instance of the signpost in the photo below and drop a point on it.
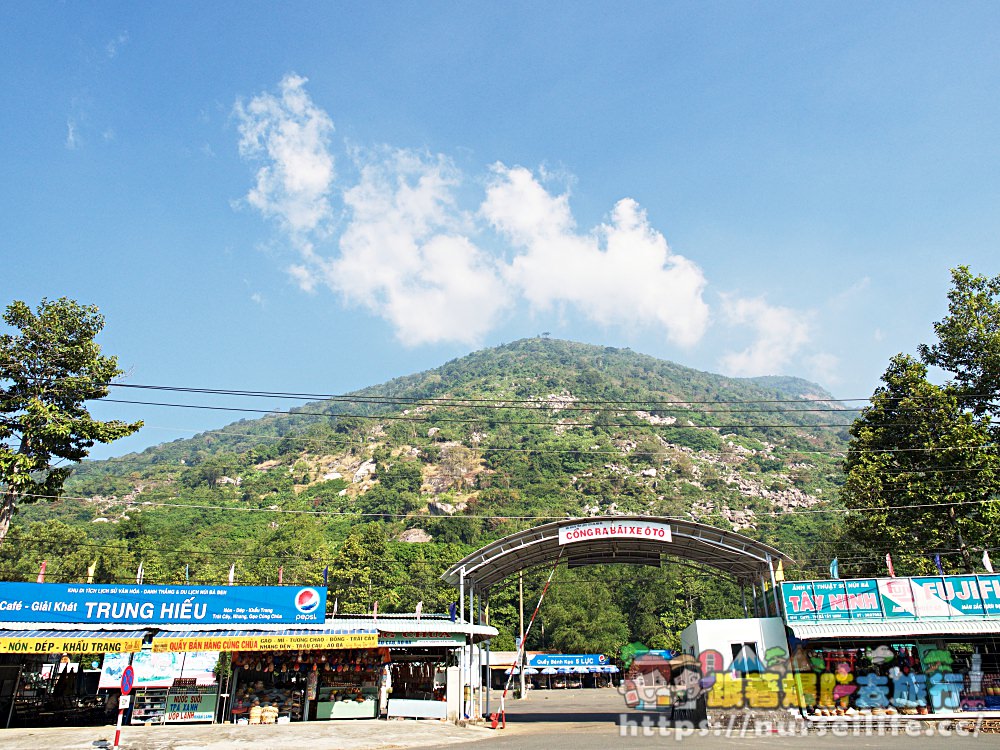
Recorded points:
(128, 679)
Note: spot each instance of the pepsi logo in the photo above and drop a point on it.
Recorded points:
(307, 601)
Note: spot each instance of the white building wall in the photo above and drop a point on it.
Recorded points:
(720, 635)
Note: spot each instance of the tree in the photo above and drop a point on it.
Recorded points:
(968, 344)
(921, 475)
(582, 616)
(48, 369)
(361, 573)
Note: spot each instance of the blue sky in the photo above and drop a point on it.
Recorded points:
(317, 197)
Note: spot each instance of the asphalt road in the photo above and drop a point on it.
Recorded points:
(592, 719)
(547, 720)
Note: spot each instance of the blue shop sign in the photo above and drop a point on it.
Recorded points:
(538, 661)
(147, 604)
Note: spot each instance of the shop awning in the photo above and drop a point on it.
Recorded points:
(895, 631)
(400, 629)
(292, 639)
(44, 641)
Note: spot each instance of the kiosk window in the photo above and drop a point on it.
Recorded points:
(745, 657)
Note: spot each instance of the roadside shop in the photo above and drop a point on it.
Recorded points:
(571, 670)
(203, 653)
(351, 667)
(306, 673)
(886, 647)
(56, 638)
(49, 676)
(167, 688)
(549, 671)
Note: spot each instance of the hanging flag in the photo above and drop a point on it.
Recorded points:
(986, 561)
(779, 573)
(138, 574)
(41, 571)
(375, 611)
(90, 571)
(888, 564)
(326, 574)
(281, 575)
(834, 568)
(937, 564)
(420, 609)
(187, 574)
(232, 574)
(453, 611)
(336, 603)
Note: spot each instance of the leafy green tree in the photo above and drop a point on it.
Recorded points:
(968, 343)
(362, 574)
(921, 473)
(48, 369)
(582, 616)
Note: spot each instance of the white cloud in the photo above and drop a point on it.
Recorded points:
(72, 137)
(115, 44)
(404, 254)
(622, 273)
(291, 135)
(824, 369)
(780, 333)
(406, 250)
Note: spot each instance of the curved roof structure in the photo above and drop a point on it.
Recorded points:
(636, 540)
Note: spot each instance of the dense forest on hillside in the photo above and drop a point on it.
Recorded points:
(389, 485)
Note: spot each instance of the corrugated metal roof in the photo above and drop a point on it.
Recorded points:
(257, 632)
(399, 623)
(427, 625)
(61, 629)
(893, 630)
(50, 633)
(738, 555)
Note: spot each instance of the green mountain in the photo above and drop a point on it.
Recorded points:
(388, 485)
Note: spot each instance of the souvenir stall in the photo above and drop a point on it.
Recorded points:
(425, 655)
(888, 647)
(305, 673)
(51, 671)
(310, 685)
(167, 688)
(417, 687)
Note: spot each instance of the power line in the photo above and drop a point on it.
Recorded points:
(503, 402)
(431, 563)
(466, 420)
(496, 402)
(139, 504)
(326, 441)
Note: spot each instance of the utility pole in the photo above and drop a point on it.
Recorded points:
(524, 646)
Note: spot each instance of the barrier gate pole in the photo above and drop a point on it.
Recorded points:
(520, 651)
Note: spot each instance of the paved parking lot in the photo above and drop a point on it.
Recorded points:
(585, 719)
(316, 735)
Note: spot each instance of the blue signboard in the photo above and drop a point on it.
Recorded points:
(928, 597)
(538, 661)
(862, 599)
(173, 605)
(799, 603)
(831, 600)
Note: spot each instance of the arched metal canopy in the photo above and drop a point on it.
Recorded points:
(636, 540)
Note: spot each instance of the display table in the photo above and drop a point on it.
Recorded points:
(346, 709)
(417, 709)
